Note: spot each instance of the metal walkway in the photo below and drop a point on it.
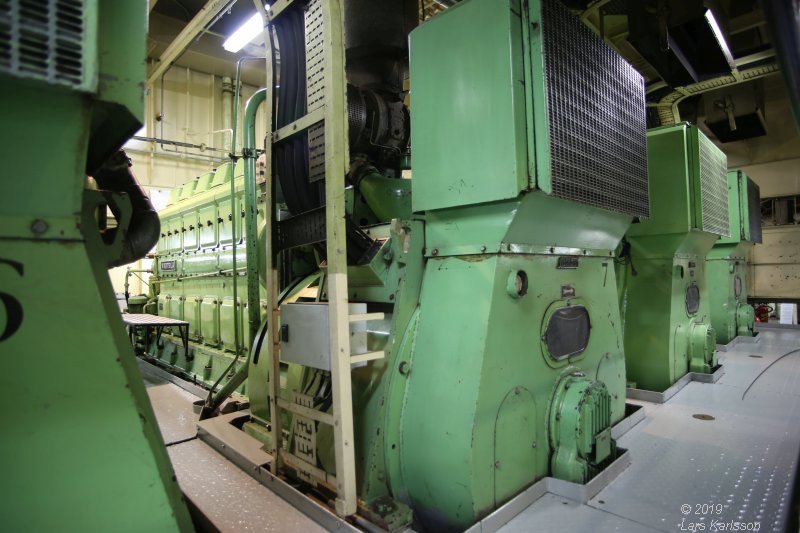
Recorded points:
(229, 498)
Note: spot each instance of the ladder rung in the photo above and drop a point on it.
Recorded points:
(313, 414)
(369, 356)
(363, 317)
(301, 124)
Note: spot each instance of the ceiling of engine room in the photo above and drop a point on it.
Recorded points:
(734, 92)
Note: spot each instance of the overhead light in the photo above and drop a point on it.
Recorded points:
(717, 31)
(245, 34)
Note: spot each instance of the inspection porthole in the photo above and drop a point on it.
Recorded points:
(703, 417)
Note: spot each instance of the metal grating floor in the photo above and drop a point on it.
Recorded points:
(229, 498)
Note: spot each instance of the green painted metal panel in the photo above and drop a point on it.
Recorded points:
(83, 452)
(667, 262)
(209, 318)
(469, 106)
(207, 218)
(226, 322)
(731, 315)
(191, 313)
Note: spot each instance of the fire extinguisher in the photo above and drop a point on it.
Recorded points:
(762, 312)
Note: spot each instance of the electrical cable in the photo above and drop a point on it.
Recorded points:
(767, 368)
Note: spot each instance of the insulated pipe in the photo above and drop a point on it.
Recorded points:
(387, 197)
(227, 106)
(234, 212)
(251, 210)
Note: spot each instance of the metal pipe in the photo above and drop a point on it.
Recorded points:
(128, 273)
(227, 105)
(237, 350)
(201, 147)
(251, 217)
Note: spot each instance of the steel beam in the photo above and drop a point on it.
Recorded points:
(203, 18)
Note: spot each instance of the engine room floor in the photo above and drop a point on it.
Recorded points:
(714, 457)
(691, 472)
(230, 499)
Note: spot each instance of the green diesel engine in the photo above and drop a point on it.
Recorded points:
(664, 295)
(195, 278)
(726, 263)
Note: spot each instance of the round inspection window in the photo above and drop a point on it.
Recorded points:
(737, 286)
(567, 332)
(692, 299)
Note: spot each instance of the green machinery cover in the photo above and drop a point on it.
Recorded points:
(726, 268)
(663, 291)
(83, 451)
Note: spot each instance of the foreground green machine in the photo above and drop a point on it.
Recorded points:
(726, 265)
(664, 296)
(80, 448)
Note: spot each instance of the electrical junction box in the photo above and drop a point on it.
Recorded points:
(305, 334)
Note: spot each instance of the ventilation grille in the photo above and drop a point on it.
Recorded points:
(315, 83)
(713, 187)
(44, 40)
(754, 210)
(596, 116)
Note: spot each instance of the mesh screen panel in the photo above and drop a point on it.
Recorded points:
(754, 210)
(44, 41)
(713, 187)
(596, 117)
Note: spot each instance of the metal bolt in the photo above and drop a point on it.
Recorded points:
(404, 368)
(435, 252)
(39, 226)
(483, 248)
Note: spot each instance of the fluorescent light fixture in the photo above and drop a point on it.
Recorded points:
(723, 45)
(245, 34)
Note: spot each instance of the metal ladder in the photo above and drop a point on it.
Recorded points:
(332, 115)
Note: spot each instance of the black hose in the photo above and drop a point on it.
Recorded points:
(145, 227)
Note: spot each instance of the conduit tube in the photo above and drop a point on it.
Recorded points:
(251, 210)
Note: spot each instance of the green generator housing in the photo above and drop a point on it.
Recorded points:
(514, 360)
(664, 296)
(83, 450)
(726, 263)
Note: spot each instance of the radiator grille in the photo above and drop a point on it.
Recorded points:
(44, 40)
(596, 118)
(713, 187)
(754, 210)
